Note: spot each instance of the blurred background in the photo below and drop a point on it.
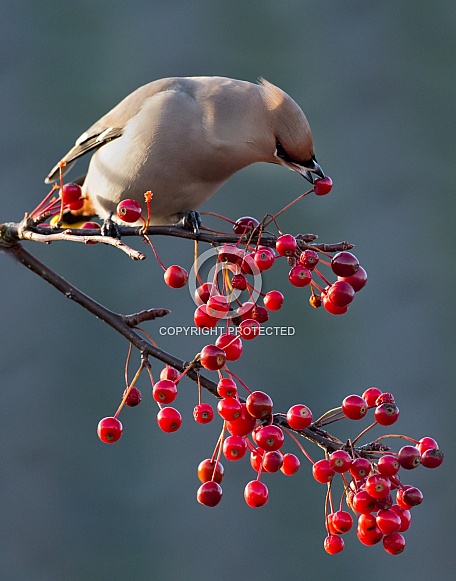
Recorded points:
(377, 83)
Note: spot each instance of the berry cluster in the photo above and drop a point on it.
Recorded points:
(69, 198)
(373, 492)
(370, 473)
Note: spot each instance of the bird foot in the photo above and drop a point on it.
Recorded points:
(190, 220)
(110, 228)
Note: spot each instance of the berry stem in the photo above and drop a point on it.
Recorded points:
(402, 436)
(323, 278)
(361, 434)
(298, 443)
(328, 414)
(149, 241)
(127, 391)
(285, 208)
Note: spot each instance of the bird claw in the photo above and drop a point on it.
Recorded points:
(190, 220)
(110, 228)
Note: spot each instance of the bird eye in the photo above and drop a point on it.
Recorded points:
(280, 152)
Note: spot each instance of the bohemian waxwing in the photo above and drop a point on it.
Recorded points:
(182, 138)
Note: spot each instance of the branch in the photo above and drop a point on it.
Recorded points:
(14, 232)
(125, 325)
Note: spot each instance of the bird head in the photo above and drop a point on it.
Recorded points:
(293, 137)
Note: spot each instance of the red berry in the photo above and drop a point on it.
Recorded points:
(256, 493)
(234, 447)
(369, 538)
(203, 293)
(370, 396)
(323, 186)
(341, 294)
(175, 276)
(405, 516)
(322, 471)
(354, 407)
(239, 282)
(340, 461)
(227, 387)
(363, 502)
(332, 309)
(259, 405)
(245, 310)
(360, 468)
(432, 458)
(169, 419)
(169, 372)
(299, 417)
(231, 344)
(333, 544)
(342, 521)
(90, 226)
(409, 457)
(286, 245)
(367, 522)
(134, 397)
(299, 276)
(309, 259)
(71, 193)
(129, 211)
(290, 464)
(409, 496)
(268, 437)
(259, 314)
(202, 319)
(386, 414)
(248, 265)
(377, 486)
(217, 306)
(394, 543)
(426, 443)
(243, 425)
(206, 471)
(212, 357)
(385, 397)
(344, 264)
(273, 300)
(203, 413)
(109, 430)
(249, 329)
(264, 258)
(230, 253)
(229, 409)
(256, 459)
(209, 493)
(388, 465)
(357, 280)
(164, 391)
(272, 461)
(75, 206)
(245, 225)
(388, 521)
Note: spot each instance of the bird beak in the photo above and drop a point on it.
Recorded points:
(310, 168)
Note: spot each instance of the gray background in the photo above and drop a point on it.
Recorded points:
(377, 83)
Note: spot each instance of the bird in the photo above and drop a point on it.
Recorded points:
(182, 138)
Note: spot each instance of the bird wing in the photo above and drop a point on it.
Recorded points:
(111, 125)
(87, 142)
